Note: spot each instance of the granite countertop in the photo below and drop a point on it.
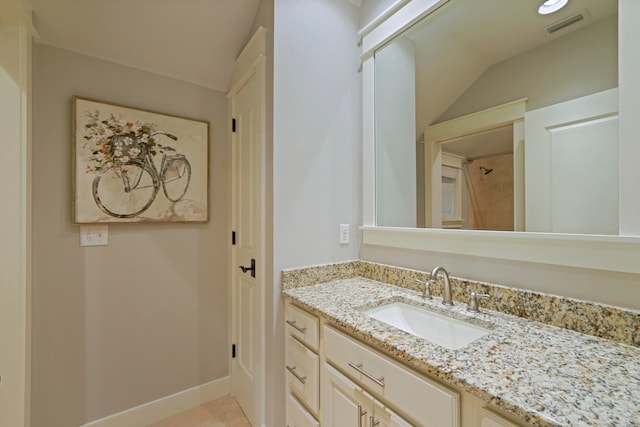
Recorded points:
(542, 374)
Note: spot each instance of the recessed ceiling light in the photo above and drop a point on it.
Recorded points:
(551, 6)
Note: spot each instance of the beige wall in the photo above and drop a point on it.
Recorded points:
(146, 316)
(370, 9)
(578, 64)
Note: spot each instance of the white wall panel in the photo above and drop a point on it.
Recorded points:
(317, 160)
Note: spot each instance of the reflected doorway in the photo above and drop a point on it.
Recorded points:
(477, 187)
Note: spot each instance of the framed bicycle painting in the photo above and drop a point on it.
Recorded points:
(133, 165)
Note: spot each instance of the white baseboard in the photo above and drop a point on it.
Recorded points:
(157, 410)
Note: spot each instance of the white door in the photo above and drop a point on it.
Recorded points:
(248, 246)
(571, 166)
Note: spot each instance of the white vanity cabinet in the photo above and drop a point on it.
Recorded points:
(345, 404)
(302, 367)
(421, 400)
(336, 380)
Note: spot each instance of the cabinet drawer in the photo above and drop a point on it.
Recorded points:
(303, 326)
(297, 415)
(303, 371)
(423, 400)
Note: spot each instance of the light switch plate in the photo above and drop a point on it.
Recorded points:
(344, 234)
(94, 235)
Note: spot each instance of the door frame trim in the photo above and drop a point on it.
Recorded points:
(16, 245)
(251, 62)
(510, 113)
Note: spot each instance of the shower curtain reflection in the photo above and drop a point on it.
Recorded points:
(489, 190)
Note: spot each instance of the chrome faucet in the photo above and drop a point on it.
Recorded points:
(446, 299)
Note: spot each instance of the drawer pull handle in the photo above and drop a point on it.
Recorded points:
(292, 323)
(373, 422)
(361, 413)
(292, 369)
(358, 367)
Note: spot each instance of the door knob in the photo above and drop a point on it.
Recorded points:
(252, 269)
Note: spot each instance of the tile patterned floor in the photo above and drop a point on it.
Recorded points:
(223, 412)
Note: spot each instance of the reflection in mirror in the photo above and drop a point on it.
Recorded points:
(437, 166)
(485, 165)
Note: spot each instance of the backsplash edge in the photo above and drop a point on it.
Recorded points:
(587, 317)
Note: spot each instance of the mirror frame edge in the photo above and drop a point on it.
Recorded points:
(610, 253)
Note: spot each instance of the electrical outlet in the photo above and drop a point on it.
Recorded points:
(94, 235)
(344, 234)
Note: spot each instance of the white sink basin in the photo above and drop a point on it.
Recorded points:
(442, 330)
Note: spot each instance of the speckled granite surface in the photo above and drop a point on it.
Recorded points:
(544, 375)
(599, 320)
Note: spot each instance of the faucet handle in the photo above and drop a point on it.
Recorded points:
(426, 293)
(473, 301)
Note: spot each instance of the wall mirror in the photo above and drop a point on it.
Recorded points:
(597, 249)
(477, 124)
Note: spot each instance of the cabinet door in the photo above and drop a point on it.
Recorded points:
(343, 403)
(297, 415)
(421, 399)
(491, 419)
(385, 417)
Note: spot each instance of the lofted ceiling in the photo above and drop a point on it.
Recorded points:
(196, 41)
(474, 35)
